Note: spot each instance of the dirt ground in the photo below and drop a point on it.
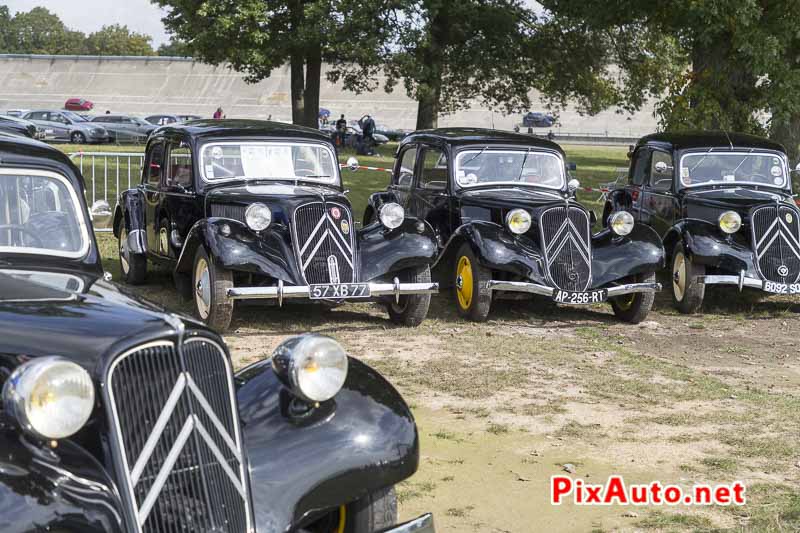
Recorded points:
(501, 406)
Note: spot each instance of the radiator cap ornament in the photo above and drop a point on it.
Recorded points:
(783, 271)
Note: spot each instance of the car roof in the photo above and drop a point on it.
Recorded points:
(19, 151)
(708, 139)
(242, 128)
(462, 136)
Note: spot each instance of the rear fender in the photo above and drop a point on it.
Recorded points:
(269, 253)
(363, 440)
(615, 257)
(706, 244)
(54, 489)
(382, 251)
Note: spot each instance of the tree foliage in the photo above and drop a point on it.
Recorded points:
(175, 48)
(116, 40)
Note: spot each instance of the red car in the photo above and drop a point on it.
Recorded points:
(78, 104)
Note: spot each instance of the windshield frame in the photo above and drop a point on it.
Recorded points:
(787, 181)
(73, 116)
(335, 181)
(516, 148)
(79, 211)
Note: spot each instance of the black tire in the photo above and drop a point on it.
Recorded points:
(633, 308)
(412, 309)
(77, 137)
(213, 307)
(687, 293)
(374, 512)
(183, 284)
(132, 266)
(473, 298)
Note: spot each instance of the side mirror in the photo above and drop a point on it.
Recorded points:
(101, 214)
(573, 185)
(797, 168)
(663, 168)
(352, 163)
(572, 167)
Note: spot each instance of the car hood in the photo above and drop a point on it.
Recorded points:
(75, 316)
(264, 192)
(510, 197)
(738, 199)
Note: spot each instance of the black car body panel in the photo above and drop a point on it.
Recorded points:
(476, 215)
(298, 460)
(690, 215)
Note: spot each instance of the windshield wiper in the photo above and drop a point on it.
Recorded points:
(701, 160)
(742, 161)
(474, 156)
(522, 168)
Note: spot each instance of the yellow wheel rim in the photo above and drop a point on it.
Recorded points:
(464, 282)
(342, 519)
(625, 302)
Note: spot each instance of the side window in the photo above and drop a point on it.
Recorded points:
(641, 160)
(407, 164)
(661, 171)
(434, 170)
(155, 164)
(180, 167)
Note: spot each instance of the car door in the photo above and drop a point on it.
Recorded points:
(180, 207)
(403, 176)
(636, 178)
(61, 125)
(151, 190)
(430, 199)
(660, 204)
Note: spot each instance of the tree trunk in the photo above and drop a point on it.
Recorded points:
(427, 112)
(297, 88)
(313, 76)
(429, 92)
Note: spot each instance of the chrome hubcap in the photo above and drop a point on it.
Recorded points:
(123, 252)
(202, 288)
(679, 276)
(460, 282)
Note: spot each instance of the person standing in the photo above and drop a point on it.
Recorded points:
(341, 129)
(368, 130)
(218, 114)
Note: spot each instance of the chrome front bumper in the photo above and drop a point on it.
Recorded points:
(282, 292)
(741, 281)
(544, 290)
(423, 524)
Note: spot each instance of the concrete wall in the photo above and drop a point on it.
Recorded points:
(140, 85)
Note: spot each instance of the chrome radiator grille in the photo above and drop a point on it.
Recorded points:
(177, 432)
(234, 212)
(776, 242)
(323, 236)
(566, 244)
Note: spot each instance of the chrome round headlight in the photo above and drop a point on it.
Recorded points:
(313, 366)
(51, 398)
(621, 223)
(518, 221)
(392, 215)
(730, 222)
(258, 217)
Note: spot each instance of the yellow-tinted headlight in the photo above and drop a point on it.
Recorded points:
(621, 223)
(518, 221)
(730, 222)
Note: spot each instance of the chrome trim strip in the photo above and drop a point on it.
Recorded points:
(544, 290)
(210, 412)
(741, 281)
(423, 524)
(282, 292)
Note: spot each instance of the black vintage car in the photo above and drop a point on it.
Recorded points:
(722, 203)
(506, 222)
(255, 210)
(118, 416)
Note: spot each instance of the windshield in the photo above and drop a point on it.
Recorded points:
(40, 214)
(753, 168)
(269, 160)
(509, 166)
(73, 116)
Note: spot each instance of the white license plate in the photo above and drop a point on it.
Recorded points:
(781, 288)
(580, 298)
(338, 291)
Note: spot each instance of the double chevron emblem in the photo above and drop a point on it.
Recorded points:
(193, 424)
(778, 243)
(569, 244)
(332, 231)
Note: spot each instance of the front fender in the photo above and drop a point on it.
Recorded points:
(269, 253)
(363, 440)
(497, 249)
(615, 257)
(705, 243)
(129, 214)
(382, 251)
(60, 489)
(376, 200)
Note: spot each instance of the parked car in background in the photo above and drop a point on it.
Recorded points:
(16, 112)
(507, 224)
(723, 206)
(353, 135)
(253, 210)
(393, 134)
(120, 417)
(187, 118)
(125, 128)
(67, 126)
(78, 104)
(533, 119)
(162, 120)
(20, 126)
